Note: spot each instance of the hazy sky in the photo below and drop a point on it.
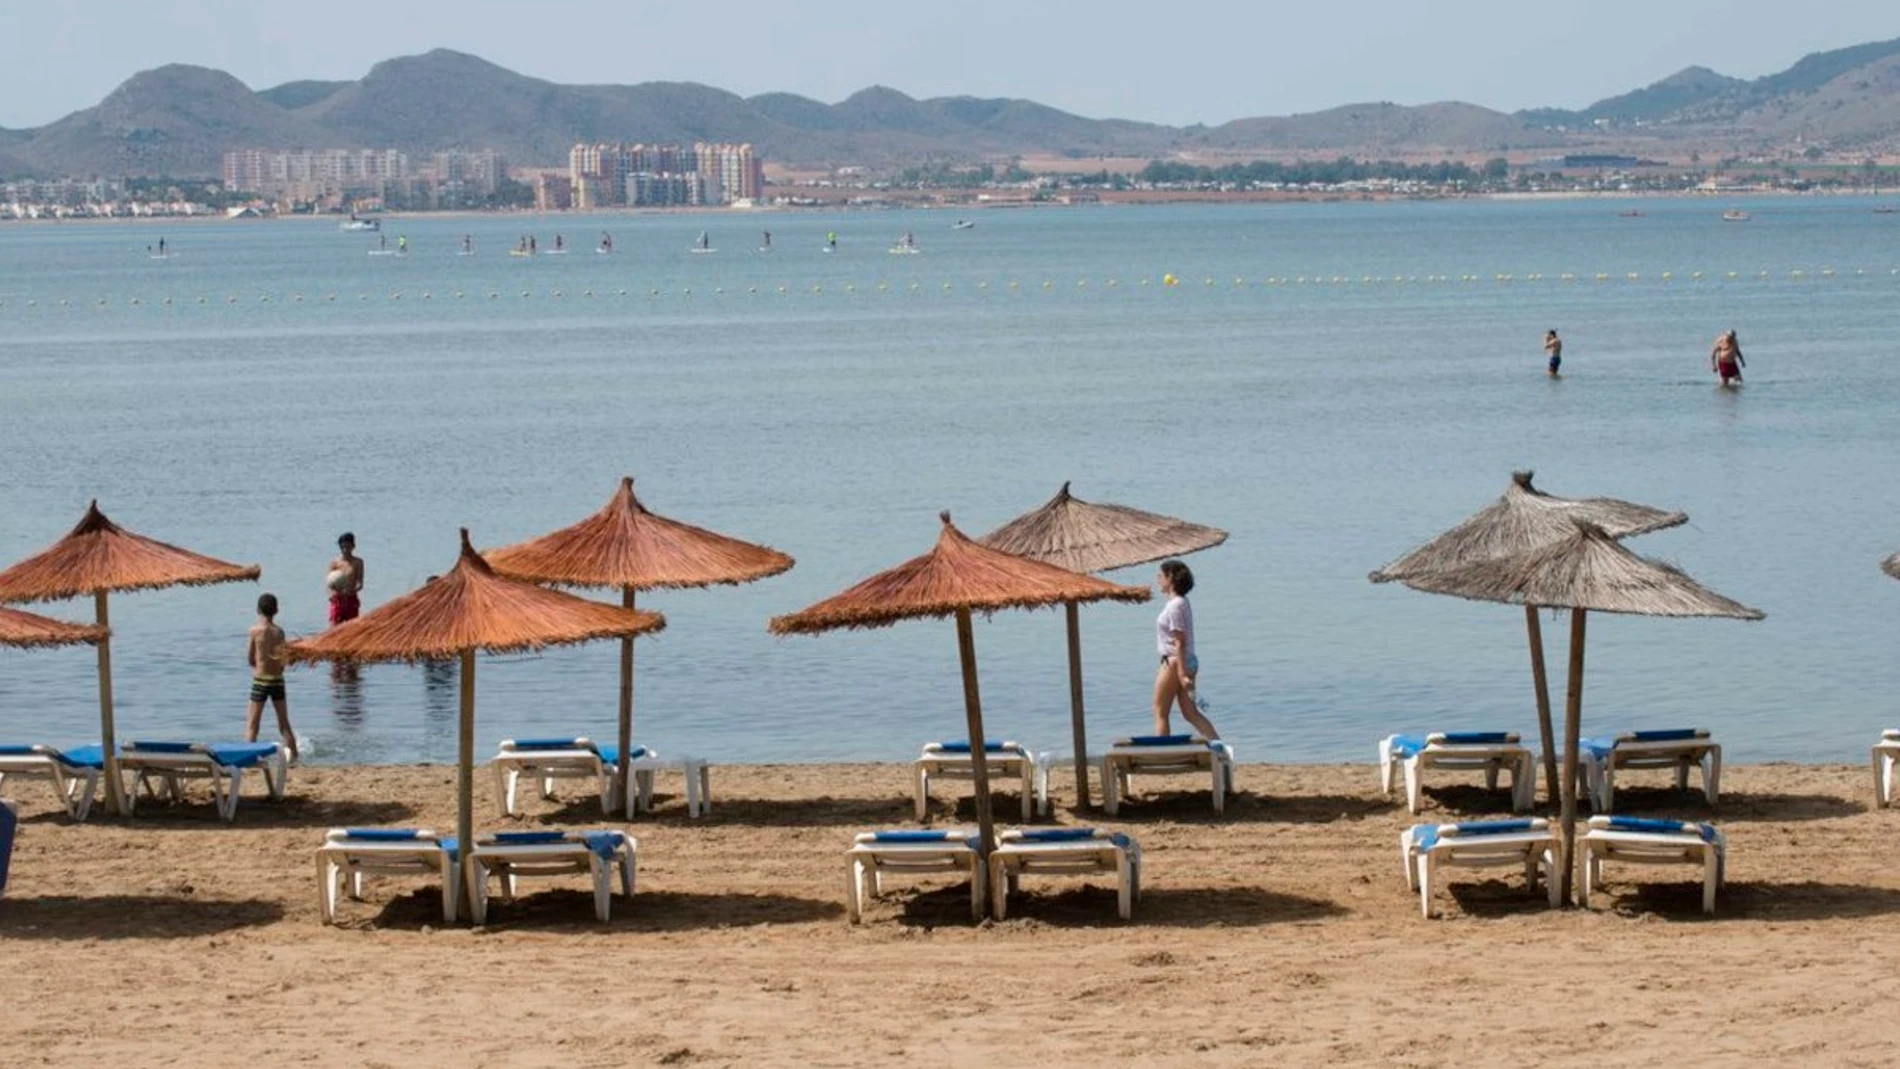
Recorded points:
(1169, 61)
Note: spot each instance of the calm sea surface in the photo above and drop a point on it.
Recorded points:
(271, 385)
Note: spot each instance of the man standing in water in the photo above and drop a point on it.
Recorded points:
(345, 581)
(1726, 358)
(265, 656)
(1555, 347)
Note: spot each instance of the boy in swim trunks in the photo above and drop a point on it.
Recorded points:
(266, 658)
(346, 589)
(1555, 347)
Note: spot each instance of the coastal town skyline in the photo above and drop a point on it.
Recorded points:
(1169, 70)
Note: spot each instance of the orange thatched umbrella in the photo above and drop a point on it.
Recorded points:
(468, 609)
(27, 630)
(1586, 571)
(1085, 537)
(956, 578)
(625, 546)
(98, 557)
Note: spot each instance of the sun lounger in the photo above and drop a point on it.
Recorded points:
(546, 760)
(1065, 852)
(162, 768)
(1490, 752)
(510, 855)
(9, 825)
(1006, 760)
(74, 774)
(1654, 842)
(1165, 755)
(1528, 843)
(1601, 759)
(348, 854)
(1886, 763)
(695, 773)
(875, 853)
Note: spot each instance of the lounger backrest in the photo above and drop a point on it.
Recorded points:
(165, 747)
(1653, 826)
(603, 843)
(1669, 735)
(908, 836)
(1161, 740)
(1472, 738)
(579, 743)
(989, 746)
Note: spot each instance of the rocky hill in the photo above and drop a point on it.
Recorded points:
(180, 120)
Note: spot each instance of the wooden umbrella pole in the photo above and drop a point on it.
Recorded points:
(1076, 721)
(973, 711)
(108, 735)
(626, 710)
(465, 779)
(1573, 725)
(1542, 684)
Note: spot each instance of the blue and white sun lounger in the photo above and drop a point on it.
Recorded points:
(1654, 842)
(1678, 749)
(1166, 755)
(510, 855)
(1528, 843)
(1006, 760)
(875, 853)
(1066, 852)
(1886, 763)
(546, 760)
(1490, 752)
(347, 854)
(9, 826)
(169, 764)
(74, 774)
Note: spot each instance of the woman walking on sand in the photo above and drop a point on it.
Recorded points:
(1726, 358)
(1174, 638)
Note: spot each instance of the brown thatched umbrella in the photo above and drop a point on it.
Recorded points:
(1585, 571)
(625, 546)
(468, 609)
(27, 630)
(98, 557)
(1525, 518)
(1086, 537)
(956, 578)
(1891, 565)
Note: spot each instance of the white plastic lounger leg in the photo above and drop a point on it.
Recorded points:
(923, 793)
(853, 878)
(1711, 876)
(979, 887)
(602, 872)
(1124, 887)
(1551, 885)
(1883, 759)
(326, 890)
(1414, 791)
(1712, 775)
(1111, 800)
(1029, 793)
(1219, 787)
(1426, 871)
(1387, 767)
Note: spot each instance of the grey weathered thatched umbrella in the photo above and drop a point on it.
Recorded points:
(1586, 571)
(98, 557)
(1086, 537)
(1525, 518)
(1891, 565)
(625, 546)
(957, 577)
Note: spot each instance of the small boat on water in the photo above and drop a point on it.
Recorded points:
(963, 224)
(1886, 211)
(1735, 215)
(704, 244)
(906, 245)
(1631, 214)
(355, 224)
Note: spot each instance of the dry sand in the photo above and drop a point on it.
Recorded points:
(1279, 935)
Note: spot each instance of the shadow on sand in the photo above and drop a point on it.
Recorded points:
(1094, 907)
(572, 910)
(131, 916)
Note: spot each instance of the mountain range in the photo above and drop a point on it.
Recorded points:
(180, 120)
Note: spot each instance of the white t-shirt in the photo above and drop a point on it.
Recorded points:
(1176, 615)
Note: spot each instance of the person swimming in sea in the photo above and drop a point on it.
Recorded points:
(1726, 358)
(1555, 347)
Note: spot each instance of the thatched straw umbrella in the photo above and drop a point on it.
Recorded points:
(1589, 570)
(1086, 537)
(98, 557)
(25, 630)
(956, 578)
(470, 608)
(625, 546)
(1891, 565)
(1525, 518)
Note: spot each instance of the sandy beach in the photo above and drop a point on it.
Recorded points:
(1281, 934)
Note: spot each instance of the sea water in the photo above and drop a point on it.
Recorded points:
(1332, 384)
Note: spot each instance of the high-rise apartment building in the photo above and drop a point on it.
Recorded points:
(642, 174)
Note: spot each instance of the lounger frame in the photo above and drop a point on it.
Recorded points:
(343, 861)
(510, 862)
(1442, 751)
(1103, 854)
(75, 785)
(1631, 752)
(161, 775)
(695, 774)
(1197, 756)
(1012, 760)
(1603, 842)
(1886, 755)
(582, 760)
(869, 860)
(1536, 850)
